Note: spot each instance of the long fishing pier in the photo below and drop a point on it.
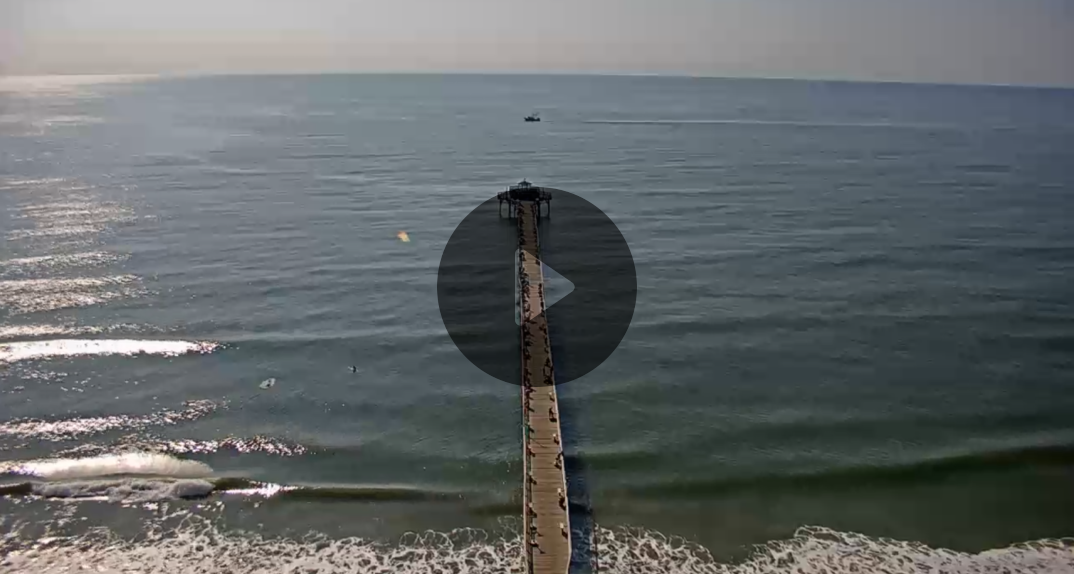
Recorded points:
(546, 525)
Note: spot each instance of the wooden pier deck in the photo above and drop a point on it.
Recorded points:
(546, 526)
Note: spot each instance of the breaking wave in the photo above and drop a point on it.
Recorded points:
(126, 490)
(185, 542)
(81, 478)
(129, 477)
(33, 350)
(201, 544)
(135, 463)
(198, 546)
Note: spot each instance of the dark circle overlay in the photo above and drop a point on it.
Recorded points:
(475, 287)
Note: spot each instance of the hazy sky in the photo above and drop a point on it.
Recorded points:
(977, 41)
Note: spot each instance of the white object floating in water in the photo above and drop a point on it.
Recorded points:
(268, 383)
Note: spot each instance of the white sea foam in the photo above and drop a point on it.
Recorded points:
(133, 463)
(198, 545)
(36, 350)
(816, 550)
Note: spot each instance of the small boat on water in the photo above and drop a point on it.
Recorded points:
(534, 117)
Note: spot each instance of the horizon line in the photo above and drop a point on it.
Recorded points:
(610, 74)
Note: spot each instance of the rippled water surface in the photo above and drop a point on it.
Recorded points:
(853, 345)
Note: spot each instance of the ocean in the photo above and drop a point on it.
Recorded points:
(852, 348)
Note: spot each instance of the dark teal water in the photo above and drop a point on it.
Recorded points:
(855, 312)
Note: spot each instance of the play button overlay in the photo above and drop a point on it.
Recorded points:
(556, 287)
(590, 286)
